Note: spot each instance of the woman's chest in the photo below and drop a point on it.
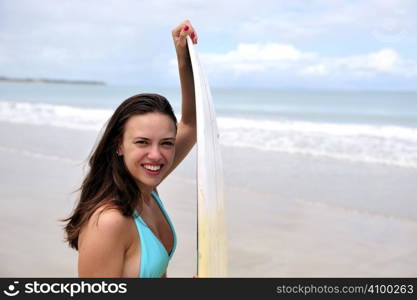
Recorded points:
(160, 230)
(158, 224)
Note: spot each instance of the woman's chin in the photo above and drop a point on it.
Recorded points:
(149, 183)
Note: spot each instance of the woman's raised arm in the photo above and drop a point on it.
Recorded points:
(187, 127)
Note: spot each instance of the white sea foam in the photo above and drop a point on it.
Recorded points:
(382, 131)
(53, 115)
(392, 145)
(386, 144)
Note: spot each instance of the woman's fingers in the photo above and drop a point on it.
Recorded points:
(190, 31)
(183, 35)
(176, 31)
(180, 33)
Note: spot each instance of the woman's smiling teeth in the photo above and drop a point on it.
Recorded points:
(152, 167)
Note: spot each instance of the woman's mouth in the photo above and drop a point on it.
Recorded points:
(152, 169)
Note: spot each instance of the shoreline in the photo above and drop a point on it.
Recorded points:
(50, 81)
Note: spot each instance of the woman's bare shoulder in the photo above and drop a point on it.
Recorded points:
(108, 217)
(103, 243)
(106, 222)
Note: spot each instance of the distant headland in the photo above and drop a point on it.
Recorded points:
(48, 80)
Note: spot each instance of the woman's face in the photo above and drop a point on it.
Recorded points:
(148, 147)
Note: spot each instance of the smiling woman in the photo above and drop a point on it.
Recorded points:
(148, 147)
(119, 226)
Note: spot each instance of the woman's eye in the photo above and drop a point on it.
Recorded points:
(141, 142)
(168, 143)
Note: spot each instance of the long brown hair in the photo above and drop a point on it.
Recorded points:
(108, 181)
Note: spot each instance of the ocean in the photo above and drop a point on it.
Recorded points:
(371, 129)
(329, 171)
(368, 127)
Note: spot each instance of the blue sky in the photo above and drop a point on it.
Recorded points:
(323, 44)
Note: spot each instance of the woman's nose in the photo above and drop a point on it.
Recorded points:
(154, 153)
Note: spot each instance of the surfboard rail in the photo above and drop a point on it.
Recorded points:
(212, 256)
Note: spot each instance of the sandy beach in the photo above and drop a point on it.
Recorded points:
(270, 234)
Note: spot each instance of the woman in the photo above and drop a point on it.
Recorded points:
(120, 227)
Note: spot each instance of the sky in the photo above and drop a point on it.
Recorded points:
(316, 44)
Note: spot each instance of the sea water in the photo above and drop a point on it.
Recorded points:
(332, 132)
(370, 127)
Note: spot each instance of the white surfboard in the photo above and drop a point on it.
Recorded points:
(211, 228)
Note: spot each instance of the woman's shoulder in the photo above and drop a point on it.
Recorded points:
(103, 243)
(107, 222)
(109, 218)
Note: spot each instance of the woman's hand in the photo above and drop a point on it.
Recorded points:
(179, 35)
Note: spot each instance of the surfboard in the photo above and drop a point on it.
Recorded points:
(211, 227)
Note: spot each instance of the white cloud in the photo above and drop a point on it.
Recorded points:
(386, 60)
(259, 57)
(256, 57)
(278, 63)
(248, 67)
(260, 52)
(319, 69)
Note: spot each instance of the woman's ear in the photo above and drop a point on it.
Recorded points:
(119, 150)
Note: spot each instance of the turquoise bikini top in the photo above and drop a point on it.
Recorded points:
(154, 257)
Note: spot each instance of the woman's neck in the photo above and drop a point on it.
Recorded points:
(145, 194)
